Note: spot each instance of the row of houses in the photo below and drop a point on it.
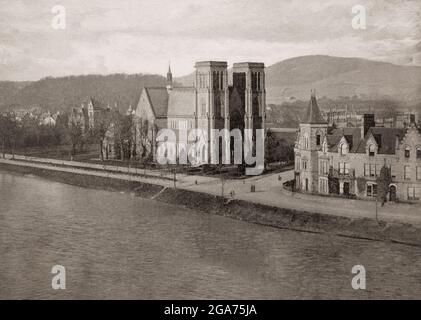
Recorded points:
(45, 118)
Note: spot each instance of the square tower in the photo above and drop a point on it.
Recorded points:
(211, 86)
(313, 130)
(249, 83)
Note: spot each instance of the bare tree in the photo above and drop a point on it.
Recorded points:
(10, 132)
(101, 126)
(123, 132)
(75, 136)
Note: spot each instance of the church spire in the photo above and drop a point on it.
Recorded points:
(169, 78)
(169, 74)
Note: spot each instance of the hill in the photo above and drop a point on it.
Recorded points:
(65, 92)
(337, 77)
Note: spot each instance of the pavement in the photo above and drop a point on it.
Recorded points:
(268, 190)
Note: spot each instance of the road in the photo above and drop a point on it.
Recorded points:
(268, 190)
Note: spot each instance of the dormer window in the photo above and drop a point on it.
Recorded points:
(372, 150)
(407, 152)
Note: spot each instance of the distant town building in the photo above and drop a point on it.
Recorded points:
(48, 120)
(348, 160)
(86, 114)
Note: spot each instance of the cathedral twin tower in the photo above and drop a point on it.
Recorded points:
(240, 104)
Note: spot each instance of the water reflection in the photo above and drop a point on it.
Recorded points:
(119, 246)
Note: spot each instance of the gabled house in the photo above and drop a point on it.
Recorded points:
(348, 160)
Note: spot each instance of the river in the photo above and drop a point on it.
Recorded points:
(118, 246)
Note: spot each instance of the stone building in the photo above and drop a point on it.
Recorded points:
(210, 103)
(348, 160)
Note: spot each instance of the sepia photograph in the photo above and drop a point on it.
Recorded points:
(210, 150)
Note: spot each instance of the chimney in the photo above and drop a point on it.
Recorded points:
(368, 122)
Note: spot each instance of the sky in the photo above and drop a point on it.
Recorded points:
(139, 36)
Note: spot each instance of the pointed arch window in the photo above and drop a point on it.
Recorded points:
(407, 152)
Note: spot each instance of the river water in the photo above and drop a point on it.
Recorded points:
(118, 246)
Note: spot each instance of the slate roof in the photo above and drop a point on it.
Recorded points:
(182, 102)
(385, 138)
(313, 115)
(352, 135)
(158, 97)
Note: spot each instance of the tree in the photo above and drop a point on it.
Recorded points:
(75, 133)
(3, 132)
(11, 132)
(333, 181)
(101, 126)
(361, 184)
(277, 149)
(383, 182)
(123, 126)
(143, 133)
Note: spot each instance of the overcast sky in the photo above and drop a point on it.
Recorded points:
(139, 36)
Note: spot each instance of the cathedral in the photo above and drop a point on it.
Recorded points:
(213, 102)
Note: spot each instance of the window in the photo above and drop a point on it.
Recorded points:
(366, 170)
(318, 138)
(414, 193)
(407, 152)
(369, 190)
(343, 167)
(372, 150)
(306, 141)
(324, 167)
(372, 190)
(304, 164)
(343, 149)
(418, 173)
(392, 171)
(418, 152)
(378, 168)
(297, 164)
(372, 170)
(407, 172)
(323, 186)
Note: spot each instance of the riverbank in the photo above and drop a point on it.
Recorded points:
(304, 221)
